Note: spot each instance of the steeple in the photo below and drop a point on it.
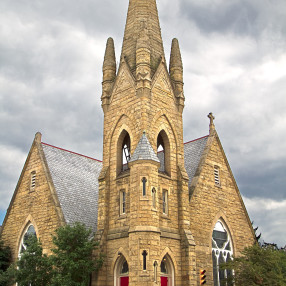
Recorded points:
(142, 15)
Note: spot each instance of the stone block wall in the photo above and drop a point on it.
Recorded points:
(211, 202)
(31, 206)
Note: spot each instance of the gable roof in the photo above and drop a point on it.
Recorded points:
(193, 152)
(75, 178)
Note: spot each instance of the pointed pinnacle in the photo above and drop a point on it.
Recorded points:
(175, 58)
(109, 57)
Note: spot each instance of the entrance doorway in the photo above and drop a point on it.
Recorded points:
(121, 272)
(167, 272)
(124, 281)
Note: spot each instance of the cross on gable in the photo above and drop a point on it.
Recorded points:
(212, 118)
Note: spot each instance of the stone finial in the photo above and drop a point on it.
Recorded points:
(38, 137)
(212, 118)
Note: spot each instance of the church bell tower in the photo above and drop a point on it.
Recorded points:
(143, 221)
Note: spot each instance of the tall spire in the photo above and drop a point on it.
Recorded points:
(142, 15)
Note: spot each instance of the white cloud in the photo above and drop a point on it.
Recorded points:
(11, 163)
(234, 61)
(270, 217)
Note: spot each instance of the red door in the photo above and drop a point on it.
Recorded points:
(124, 281)
(164, 281)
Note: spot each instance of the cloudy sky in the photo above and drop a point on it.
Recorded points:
(234, 55)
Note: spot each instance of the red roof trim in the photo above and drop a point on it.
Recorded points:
(197, 139)
(71, 152)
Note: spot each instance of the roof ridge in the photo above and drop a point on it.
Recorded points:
(71, 152)
(196, 139)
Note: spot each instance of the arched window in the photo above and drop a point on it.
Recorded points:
(167, 272)
(163, 152)
(222, 251)
(30, 231)
(123, 152)
(121, 274)
(144, 255)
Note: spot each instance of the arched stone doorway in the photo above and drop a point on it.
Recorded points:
(121, 272)
(167, 272)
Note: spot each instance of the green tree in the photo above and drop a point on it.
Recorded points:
(258, 265)
(5, 261)
(72, 257)
(33, 267)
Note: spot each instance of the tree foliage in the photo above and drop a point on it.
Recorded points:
(70, 264)
(258, 265)
(33, 267)
(73, 256)
(5, 261)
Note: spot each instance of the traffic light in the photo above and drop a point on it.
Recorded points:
(203, 277)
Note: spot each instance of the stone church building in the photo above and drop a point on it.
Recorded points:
(162, 209)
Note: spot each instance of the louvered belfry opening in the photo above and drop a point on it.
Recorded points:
(123, 152)
(163, 152)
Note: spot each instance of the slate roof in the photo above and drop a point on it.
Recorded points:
(75, 178)
(144, 151)
(193, 152)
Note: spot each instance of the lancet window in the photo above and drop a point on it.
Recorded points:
(165, 202)
(122, 202)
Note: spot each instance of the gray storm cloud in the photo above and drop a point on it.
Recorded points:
(234, 58)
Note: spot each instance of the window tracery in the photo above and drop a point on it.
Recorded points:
(222, 252)
(30, 231)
